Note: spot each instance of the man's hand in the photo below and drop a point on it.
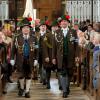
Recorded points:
(54, 61)
(47, 59)
(77, 59)
(12, 62)
(35, 62)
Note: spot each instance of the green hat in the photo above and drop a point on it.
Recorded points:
(64, 17)
(44, 22)
(24, 22)
(55, 23)
(76, 23)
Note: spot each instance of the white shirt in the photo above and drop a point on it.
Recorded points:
(26, 36)
(65, 31)
(53, 32)
(42, 33)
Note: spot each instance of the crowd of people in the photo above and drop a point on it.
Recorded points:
(50, 46)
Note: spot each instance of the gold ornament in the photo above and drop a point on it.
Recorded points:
(48, 44)
(45, 39)
(20, 49)
(31, 47)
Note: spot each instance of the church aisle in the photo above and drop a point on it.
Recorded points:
(39, 92)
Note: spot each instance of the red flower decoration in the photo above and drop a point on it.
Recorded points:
(30, 19)
(67, 17)
(47, 22)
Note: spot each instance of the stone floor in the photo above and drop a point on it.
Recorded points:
(39, 92)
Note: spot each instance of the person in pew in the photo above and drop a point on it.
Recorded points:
(96, 54)
(24, 54)
(8, 41)
(80, 34)
(89, 33)
(84, 42)
(3, 64)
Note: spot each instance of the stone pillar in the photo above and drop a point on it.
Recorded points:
(4, 10)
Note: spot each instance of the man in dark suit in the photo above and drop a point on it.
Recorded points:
(64, 53)
(24, 47)
(45, 53)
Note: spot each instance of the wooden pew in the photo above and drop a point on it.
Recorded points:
(0, 73)
(83, 68)
(0, 83)
(85, 55)
(88, 56)
(76, 74)
(97, 93)
(2, 79)
(91, 74)
(79, 67)
(94, 93)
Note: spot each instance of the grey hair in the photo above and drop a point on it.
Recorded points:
(97, 36)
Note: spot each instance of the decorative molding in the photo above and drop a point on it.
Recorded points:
(82, 9)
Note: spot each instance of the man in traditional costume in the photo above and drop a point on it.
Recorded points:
(64, 53)
(25, 48)
(45, 53)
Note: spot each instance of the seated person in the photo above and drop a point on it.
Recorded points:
(96, 54)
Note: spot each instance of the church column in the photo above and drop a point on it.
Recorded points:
(4, 10)
(99, 10)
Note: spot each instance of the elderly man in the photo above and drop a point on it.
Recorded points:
(24, 47)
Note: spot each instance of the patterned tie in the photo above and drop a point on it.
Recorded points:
(26, 49)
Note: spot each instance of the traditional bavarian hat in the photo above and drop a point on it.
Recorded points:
(64, 17)
(24, 22)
